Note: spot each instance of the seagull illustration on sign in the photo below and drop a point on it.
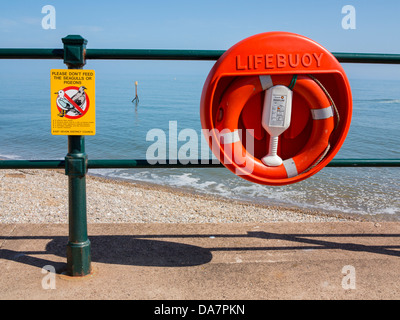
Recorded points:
(65, 105)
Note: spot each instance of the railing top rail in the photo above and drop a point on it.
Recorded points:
(173, 54)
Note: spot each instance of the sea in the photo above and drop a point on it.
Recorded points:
(126, 130)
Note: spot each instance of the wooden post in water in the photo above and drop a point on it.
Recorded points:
(136, 95)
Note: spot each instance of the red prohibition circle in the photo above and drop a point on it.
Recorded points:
(83, 112)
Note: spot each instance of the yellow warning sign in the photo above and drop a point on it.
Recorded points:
(73, 102)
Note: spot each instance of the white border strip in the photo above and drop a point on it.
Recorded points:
(324, 113)
(266, 82)
(230, 137)
(290, 168)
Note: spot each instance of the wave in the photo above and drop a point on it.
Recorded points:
(10, 157)
(380, 101)
(333, 196)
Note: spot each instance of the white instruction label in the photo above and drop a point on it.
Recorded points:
(278, 111)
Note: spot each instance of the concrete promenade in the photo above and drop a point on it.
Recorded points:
(282, 260)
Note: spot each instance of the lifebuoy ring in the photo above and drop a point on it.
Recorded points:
(232, 151)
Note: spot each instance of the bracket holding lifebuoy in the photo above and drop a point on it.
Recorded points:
(233, 99)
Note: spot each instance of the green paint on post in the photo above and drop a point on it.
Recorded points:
(74, 51)
(78, 247)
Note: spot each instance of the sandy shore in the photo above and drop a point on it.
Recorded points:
(41, 196)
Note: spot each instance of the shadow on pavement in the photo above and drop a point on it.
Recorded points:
(147, 250)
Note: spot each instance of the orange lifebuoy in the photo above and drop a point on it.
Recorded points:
(248, 166)
(232, 105)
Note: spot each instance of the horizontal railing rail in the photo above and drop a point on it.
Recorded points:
(174, 54)
(200, 163)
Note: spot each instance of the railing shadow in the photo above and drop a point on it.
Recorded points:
(147, 250)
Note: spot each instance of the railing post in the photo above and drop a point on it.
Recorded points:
(78, 247)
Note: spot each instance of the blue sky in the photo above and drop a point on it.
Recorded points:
(205, 24)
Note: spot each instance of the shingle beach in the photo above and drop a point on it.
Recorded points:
(41, 196)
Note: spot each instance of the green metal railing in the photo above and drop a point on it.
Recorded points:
(162, 54)
(76, 162)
